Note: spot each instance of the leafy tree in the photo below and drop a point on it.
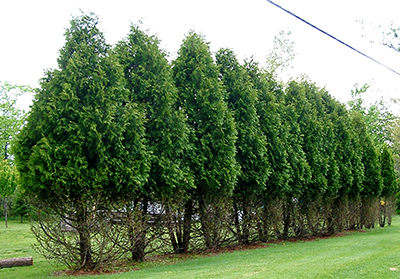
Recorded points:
(8, 184)
(281, 55)
(377, 117)
(11, 121)
(212, 129)
(150, 82)
(82, 146)
(391, 38)
(251, 144)
(11, 117)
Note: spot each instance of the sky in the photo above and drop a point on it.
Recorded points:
(32, 32)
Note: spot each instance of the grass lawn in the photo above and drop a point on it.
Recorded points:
(371, 254)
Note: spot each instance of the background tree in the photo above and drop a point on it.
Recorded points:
(21, 204)
(11, 121)
(281, 55)
(11, 117)
(378, 119)
(8, 184)
(82, 146)
(212, 131)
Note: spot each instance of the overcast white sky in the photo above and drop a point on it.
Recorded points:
(32, 32)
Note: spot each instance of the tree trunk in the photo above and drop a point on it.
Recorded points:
(245, 222)
(16, 262)
(187, 225)
(286, 220)
(5, 211)
(237, 223)
(138, 245)
(204, 222)
(180, 229)
(85, 249)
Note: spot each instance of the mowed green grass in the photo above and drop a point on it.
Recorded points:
(16, 241)
(371, 254)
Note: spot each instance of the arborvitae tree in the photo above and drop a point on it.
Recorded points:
(311, 127)
(270, 114)
(251, 144)
(276, 130)
(388, 173)
(344, 154)
(212, 131)
(326, 111)
(82, 146)
(313, 134)
(372, 180)
(390, 187)
(150, 82)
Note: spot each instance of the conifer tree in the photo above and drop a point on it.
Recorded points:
(388, 173)
(82, 146)
(372, 179)
(150, 82)
(278, 145)
(251, 144)
(212, 130)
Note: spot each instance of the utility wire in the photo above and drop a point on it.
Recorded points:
(336, 39)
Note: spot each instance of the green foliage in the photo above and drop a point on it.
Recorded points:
(377, 117)
(126, 148)
(8, 184)
(282, 53)
(311, 127)
(388, 173)
(212, 127)
(8, 179)
(11, 117)
(372, 182)
(83, 144)
(251, 144)
(391, 38)
(269, 112)
(82, 135)
(150, 82)
(21, 206)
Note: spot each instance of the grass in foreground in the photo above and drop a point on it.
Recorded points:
(371, 254)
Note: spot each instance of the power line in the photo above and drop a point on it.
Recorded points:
(329, 35)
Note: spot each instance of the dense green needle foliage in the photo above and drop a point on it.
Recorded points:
(151, 85)
(211, 124)
(251, 143)
(212, 132)
(389, 187)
